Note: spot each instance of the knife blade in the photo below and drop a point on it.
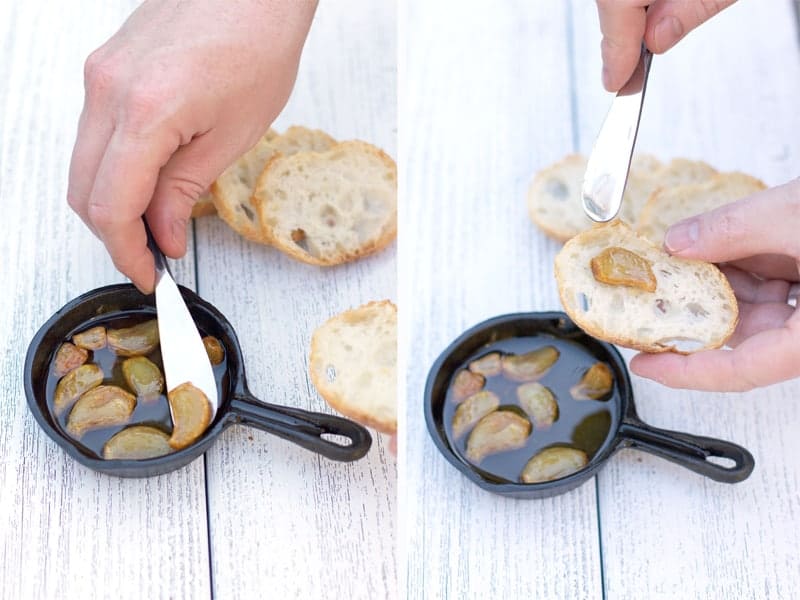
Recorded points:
(610, 160)
(183, 354)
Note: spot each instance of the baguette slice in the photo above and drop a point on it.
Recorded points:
(642, 176)
(554, 197)
(353, 364)
(641, 185)
(692, 308)
(667, 206)
(327, 208)
(204, 206)
(233, 189)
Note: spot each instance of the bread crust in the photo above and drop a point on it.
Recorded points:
(336, 400)
(622, 231)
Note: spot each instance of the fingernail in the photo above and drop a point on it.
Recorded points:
(682, 235)
(667, 33)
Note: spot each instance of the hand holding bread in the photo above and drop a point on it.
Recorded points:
(757, 240)
(619, 287)
(618, 284)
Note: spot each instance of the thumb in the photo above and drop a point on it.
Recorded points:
(187, 174)
(764, 223)
(669, 21)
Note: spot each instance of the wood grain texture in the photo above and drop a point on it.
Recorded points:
(65, 531)
(283, 519)
(506, 93)
(484, 101)
(727, 95)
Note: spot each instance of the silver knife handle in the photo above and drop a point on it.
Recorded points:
(610, 161)
(158, 255)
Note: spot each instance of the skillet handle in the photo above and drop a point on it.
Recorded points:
(690, 451)
(303, 428)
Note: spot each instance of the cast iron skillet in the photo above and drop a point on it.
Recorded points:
(237, 404)
(690, 451)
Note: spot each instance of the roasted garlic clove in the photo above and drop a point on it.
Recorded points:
(138, 340)
(531, 365)
(553, 463)
(143, 377)
(595, 384)
(488, 365)
(539, 403)
(499, 431)
(191, 414)
(74, 384)
(618, 266)
(91, 339)
(103, 406)
(467, 383)
(472, 410)
(214, 349)
(136, 443)
(69, 357)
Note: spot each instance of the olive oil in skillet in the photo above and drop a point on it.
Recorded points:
(153, 412)
(581, 424)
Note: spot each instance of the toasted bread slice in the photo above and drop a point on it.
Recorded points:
(642, 184)
(233, 189)
(327, 208)
(642, 177)
(353, 364)
(554, 197)
(669, 205)
(692, 307)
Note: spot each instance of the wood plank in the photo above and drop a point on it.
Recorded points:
(484, 104)
(65, 531)
(727, 94)
(283, 519)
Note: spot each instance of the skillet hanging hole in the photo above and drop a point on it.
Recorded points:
(339, 440)
(722, 461)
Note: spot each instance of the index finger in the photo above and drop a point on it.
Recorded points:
(121, 193)
(90, 143)
(622, 23)
(767, 357)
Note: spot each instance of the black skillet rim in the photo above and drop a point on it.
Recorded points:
(150, 466)
(612, 443)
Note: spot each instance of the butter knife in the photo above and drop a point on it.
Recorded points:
(610, 160)
(182, 350)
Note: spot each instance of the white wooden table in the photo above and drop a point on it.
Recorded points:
(490, 93)
(256, 516)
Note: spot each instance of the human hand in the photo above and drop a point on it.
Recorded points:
(173, 98)
(625, 23)
(758, 239)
